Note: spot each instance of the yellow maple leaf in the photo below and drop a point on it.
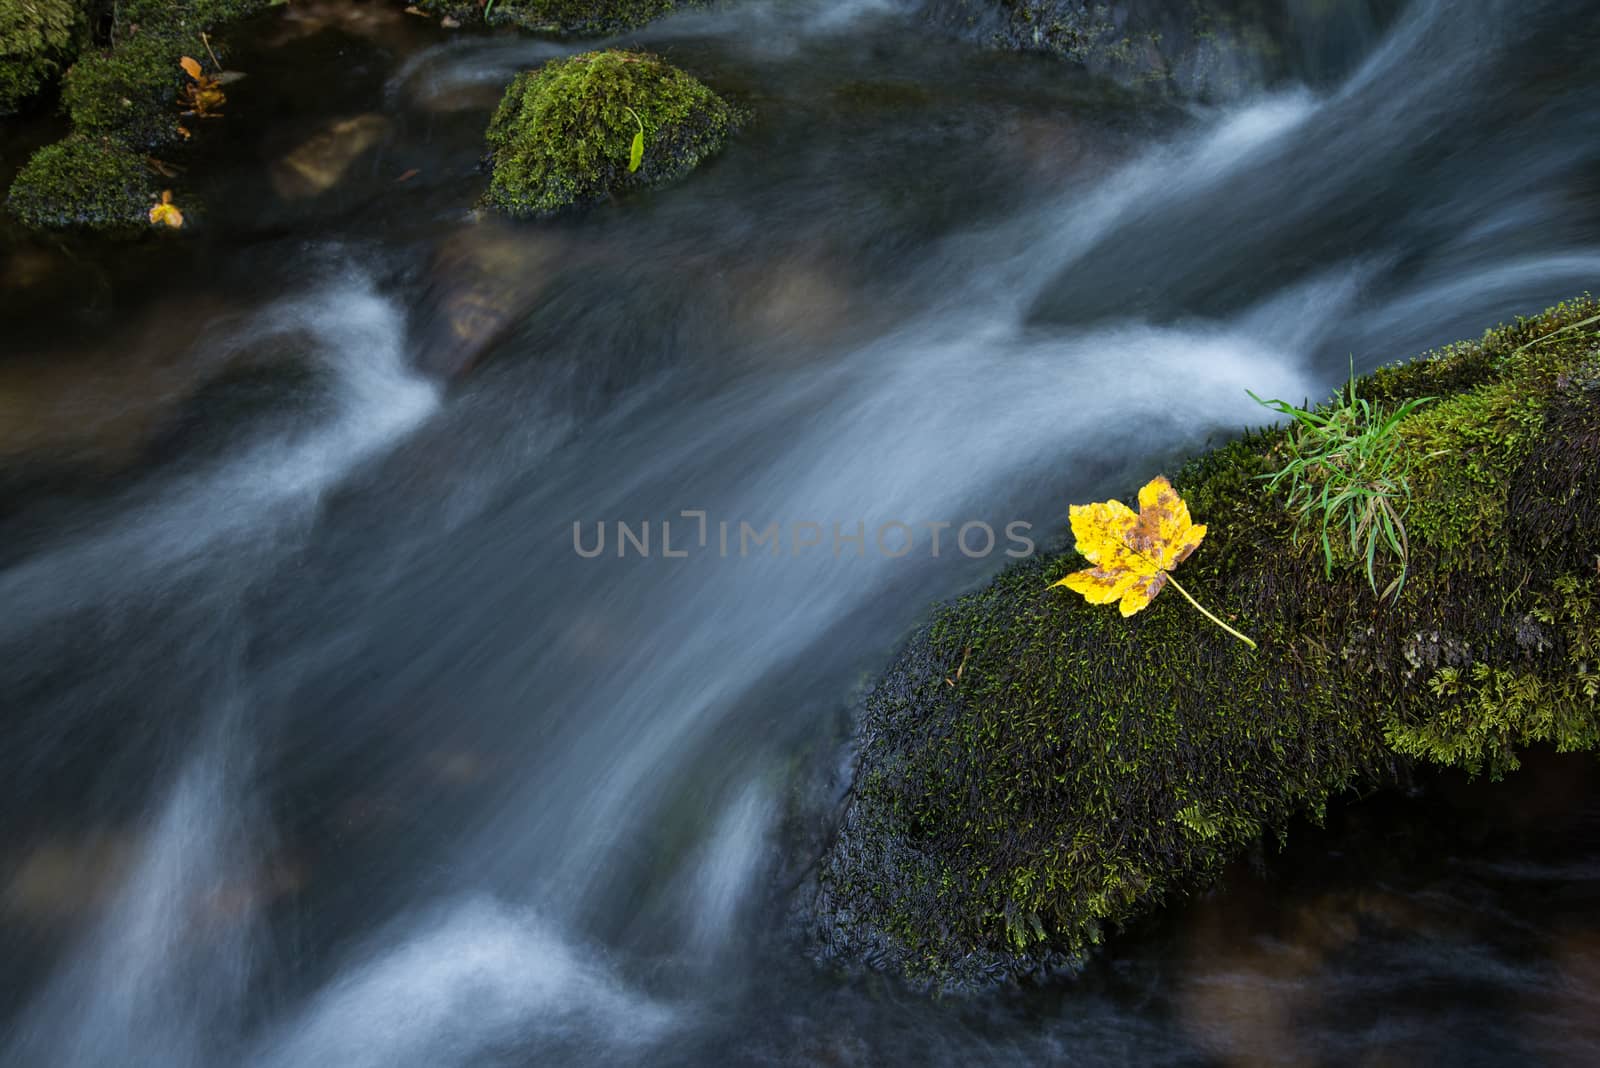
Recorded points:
(1134, 553)
(166, 212)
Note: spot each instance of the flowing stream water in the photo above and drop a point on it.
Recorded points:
(322, 744)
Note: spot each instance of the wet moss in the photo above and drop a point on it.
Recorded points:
(1084, 766)
(37, 39)
(563, 18)
(128, 94)
(123, 98)
(82, 182)
(562, 134)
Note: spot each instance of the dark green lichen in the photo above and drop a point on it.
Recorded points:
(82, 182)
(1084, 766)
(562, 133)
(37, 39)
(562, 18)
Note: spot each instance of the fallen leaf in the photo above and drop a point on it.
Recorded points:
(166, 212)
(450, 23)
(205, 96)
(1132, 553)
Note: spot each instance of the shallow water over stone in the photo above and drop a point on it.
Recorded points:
(324, 746)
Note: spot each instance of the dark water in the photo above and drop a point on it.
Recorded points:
(322, 745)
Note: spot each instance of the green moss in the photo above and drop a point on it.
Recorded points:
(1085, 766)
(122, 100)
(565, 18)
(562, 133)
(130, 91)
(82, 182)
(128, 94)
(37, 38)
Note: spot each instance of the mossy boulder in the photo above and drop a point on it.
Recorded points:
(562, 18)
(123, 101)
(128, 94)
(82, 182)
(562, 135)
(1083, 766)
(129, 91)
(37, 39)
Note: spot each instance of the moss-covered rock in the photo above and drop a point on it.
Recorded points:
(128, 94)
(1083, 766)
(122, 100)
(562, 18)
(37, 39)
(83, 182)
(129, 91)
(563, 133)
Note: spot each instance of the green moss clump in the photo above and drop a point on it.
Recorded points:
(37, 38)
(82, 182)
(564, 18)
(130, 91)
(562, 134)
(1085, 766)
(128, 94)
(123, 100)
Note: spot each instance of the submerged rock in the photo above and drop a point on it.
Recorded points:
(37, 39)
(1205, 49)
(562, 135)
(482, 281)
(1035, 770)
(317, 164)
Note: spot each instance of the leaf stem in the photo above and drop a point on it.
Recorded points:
(1199, 607)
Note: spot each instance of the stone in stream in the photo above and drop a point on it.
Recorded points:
(1035, 771)
(58, 880)
(83, 182)
(563, 134)
(482, 280)
(1201, 49)
(97, 409)
(317, 164)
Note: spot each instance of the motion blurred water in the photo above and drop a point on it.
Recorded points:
(323, 746)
